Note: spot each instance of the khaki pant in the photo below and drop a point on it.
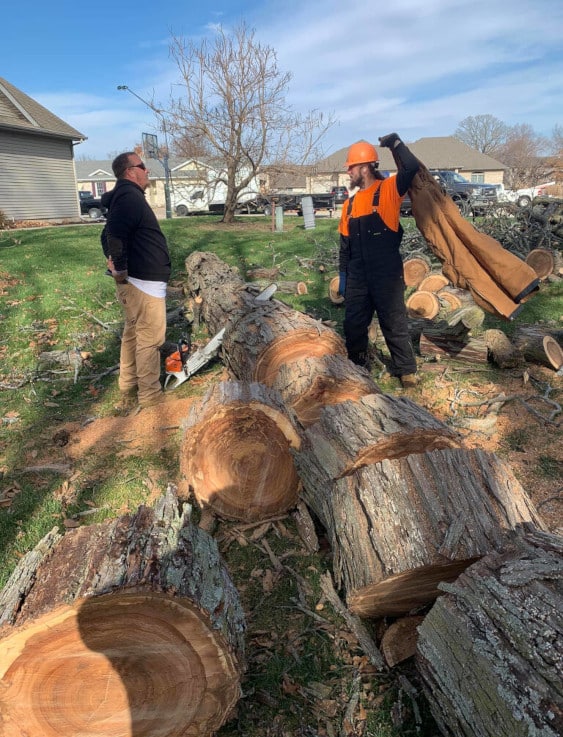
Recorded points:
(143, 333)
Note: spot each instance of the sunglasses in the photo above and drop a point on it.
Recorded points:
(138, 166)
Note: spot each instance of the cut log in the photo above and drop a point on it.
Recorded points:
(415, 269)
(283, 287)
(377, 427)
(438, 341)
(423, 304)
(529, 340)
(433, 282)
(235, 453)
(490, 652)
(399, 527)
(399, 640)
(310, 384)
(545, 261)
(131, 628)
(259, 338)
(501, 350)
(335, 298)
(262, 273)
(453, 298)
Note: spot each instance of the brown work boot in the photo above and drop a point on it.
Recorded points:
(408, 381)
(127, 402)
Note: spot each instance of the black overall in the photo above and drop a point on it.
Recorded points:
(375, 283)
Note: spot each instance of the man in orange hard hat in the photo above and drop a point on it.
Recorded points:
(371, 268)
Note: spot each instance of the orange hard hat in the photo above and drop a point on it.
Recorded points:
(361, 152)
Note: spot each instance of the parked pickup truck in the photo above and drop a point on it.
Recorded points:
(522, 197)
(471, 197)
(90, 205)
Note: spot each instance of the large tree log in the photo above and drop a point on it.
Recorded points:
(235, 453)
(490, 652)
(310, 384)
(378, 427)
(545, 262)
(129, 628)
(529, 340)
(415, 269)
(423, 304)
(399, 527)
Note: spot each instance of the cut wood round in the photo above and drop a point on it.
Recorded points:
(235, 453)
(117, 632)
(423, 304)
(529, 339)
(490, 651)
(433, 282)
(310, 384)
(553, 351)
(399, 527)
(335, 298)
(351, 435)
(415, 269)
(438, 342)
(448, 300)
(545, 261)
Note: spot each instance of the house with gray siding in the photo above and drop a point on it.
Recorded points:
(37, 175)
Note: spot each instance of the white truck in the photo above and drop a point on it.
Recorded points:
(522, 197)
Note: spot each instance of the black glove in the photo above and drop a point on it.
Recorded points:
(389, 140)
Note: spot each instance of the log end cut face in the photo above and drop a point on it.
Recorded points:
(239, 463)
(131, 664)
(297, 345)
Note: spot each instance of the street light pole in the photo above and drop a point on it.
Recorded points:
(165, 161)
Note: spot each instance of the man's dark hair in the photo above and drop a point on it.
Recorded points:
(120, 163)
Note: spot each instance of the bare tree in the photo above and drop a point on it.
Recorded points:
(233, 108)
(522, 152)
(485, 133)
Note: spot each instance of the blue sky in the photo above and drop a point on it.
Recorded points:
(413, 66)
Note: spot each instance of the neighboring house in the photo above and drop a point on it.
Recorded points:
(188, 178)
(444, 152)
(37, 178)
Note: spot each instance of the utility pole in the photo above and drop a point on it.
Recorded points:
(164, 161)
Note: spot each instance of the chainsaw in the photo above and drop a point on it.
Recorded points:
(180, 366)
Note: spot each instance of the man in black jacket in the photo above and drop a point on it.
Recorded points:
(139, 261)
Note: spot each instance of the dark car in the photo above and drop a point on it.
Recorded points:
(340, 194)
(91, 206)
(472, 198)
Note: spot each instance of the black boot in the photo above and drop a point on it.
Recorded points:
(360, 359)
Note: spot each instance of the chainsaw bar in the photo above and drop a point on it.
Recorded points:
(202, 356)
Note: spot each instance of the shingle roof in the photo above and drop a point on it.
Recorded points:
(19, 111)
(441, 152)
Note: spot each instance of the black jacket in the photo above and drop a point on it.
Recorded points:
(132, 233)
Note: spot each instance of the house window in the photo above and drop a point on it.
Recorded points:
(100, 188)
(478, 177)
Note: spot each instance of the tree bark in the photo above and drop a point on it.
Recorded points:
(490, 652)
(377, 427)
(235, 454)
(310, 384)
(399, 527)
(131, 627)
(438, 341)
(501, 350)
